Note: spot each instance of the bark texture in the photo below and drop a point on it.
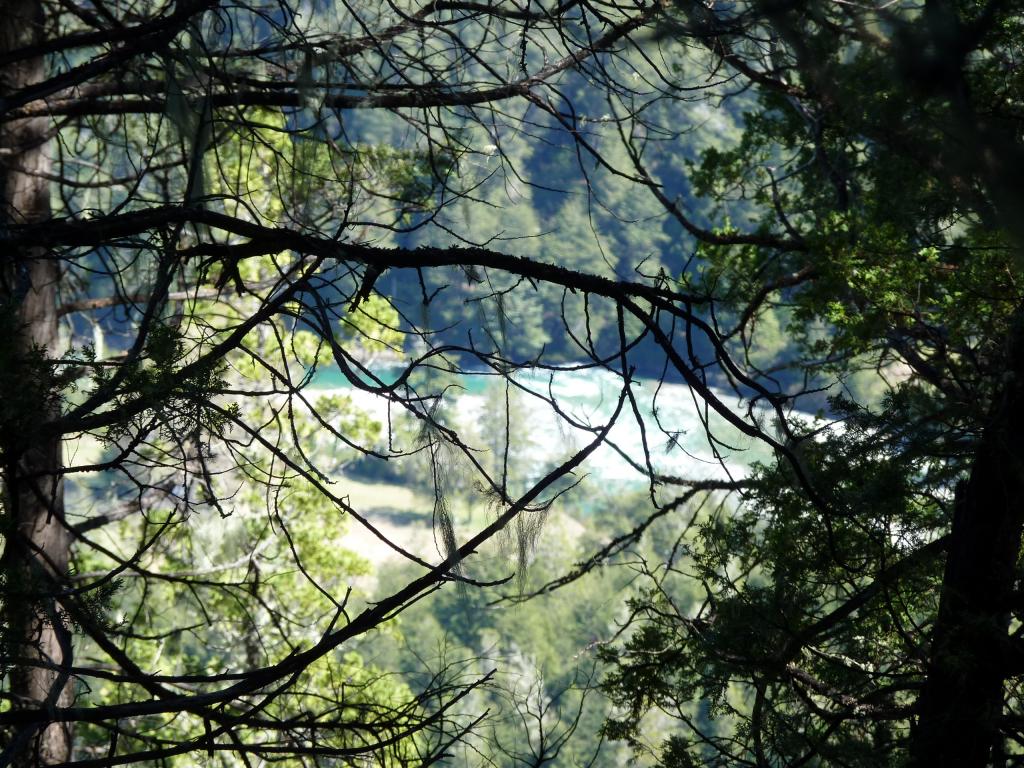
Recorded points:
(35, 540)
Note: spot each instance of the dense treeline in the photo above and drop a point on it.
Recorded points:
(207, 208)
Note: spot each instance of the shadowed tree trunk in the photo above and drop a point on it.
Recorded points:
(35, 555)
(962, 700)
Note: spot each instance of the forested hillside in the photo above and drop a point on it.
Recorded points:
(471, 383)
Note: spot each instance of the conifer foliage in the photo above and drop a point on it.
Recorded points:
(205, 206)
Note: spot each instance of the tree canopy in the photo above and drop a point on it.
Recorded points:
(805, 212)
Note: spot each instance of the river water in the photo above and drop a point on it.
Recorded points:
(682, 438)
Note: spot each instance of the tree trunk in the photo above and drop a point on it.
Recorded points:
(962, 699)
(35, 555)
